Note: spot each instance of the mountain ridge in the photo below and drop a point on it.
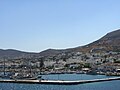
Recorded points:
(109, 42)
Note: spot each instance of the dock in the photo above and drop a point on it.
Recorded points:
(58, 82)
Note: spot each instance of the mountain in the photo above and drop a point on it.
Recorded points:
(50, 52)
(53, 52)
(11, 53)
(109, 42)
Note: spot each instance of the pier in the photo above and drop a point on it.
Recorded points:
(58, 82)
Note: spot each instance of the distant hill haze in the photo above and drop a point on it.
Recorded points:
(110, 42)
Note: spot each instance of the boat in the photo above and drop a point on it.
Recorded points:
(20, 76)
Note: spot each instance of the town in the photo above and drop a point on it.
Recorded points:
(96, 62)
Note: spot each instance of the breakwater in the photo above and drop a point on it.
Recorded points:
(58, 82)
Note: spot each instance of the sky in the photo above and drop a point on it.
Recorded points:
(37, 25)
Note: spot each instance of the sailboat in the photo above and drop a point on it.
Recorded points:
(4, 74)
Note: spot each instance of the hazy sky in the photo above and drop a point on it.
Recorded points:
(36, 25)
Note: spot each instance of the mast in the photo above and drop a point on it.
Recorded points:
(4, 66)
(30, 68)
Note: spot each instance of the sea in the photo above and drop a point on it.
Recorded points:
(108, 85)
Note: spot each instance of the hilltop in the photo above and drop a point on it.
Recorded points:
(109, 42)
(12, 53)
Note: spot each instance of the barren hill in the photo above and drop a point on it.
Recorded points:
(110, 42)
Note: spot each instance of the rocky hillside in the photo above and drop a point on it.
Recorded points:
(11, 53)
(110, 42)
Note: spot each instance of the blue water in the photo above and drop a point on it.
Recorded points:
(110, 85)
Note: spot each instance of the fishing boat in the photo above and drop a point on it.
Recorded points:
(23, 76)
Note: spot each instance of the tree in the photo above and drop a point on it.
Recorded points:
(87, 65)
